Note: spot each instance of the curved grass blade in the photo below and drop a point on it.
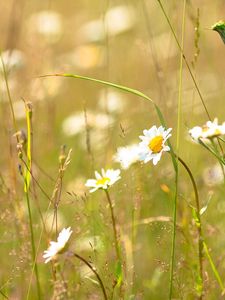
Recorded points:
(220, 28)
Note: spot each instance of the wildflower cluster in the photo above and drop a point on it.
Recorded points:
(208, 131)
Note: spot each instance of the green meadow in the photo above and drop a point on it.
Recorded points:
(112, 165)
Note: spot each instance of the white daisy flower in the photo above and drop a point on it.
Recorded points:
(153, 144)
(207, 131)
(56, 248)
(104, 180)
(127, 156)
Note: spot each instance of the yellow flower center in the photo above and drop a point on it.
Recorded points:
(103, 181)
(156, 144)
(217, 132)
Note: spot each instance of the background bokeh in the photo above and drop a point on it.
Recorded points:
(128, 43)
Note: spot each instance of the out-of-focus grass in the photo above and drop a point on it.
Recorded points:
(144, 57)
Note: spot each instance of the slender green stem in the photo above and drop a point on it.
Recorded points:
(27, 178)
(172, 261)
(180, 82)
(201, 242)
(95, 272)
(221, 160)
(114, 226)
(33, 250)
(3, 295)
(221, 164)
(213, 267)
(9, 96)
(199, 225)
(188, 66)
(184, 57)
(172, 258)
(163, 123)
(125, 89)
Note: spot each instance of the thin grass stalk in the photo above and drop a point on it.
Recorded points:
(202, 244)
(95, 272)
(199, 225)
(162, 121)
(117, 248)
(125, 89)
(9, 96)
(158, 69)
(221, 160)
(172, 257)
(27, 178)
(216, 151)
(185, 59)
(188, 66)
(172, 260)
(214, 269)
(3, 295)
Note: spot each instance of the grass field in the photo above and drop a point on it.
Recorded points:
(116, 87)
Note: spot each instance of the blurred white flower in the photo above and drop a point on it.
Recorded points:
(153, 144)
(213, 175)
(19, 110)
(111, 101)
(104, 180)
(118, 20)
(58, 247)
(48, 24)
(49, 218)
(13, 60)
(75, 123)
(102, 121)
(83, 57)
(128, 155)
(207, 131)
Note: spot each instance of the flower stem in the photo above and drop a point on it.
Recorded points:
(95, 272)
(184, 57)
(172, 259)
(199, 224)
(213, 267)
(201, 243)
(33, 249)
(114, 226)
(27, 179)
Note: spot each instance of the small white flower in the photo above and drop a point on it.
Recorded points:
(153, 144)
(104, 180)
(207, 131)
(127, 156)
(56, 248)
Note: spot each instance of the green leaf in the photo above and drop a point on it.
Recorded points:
(199, 287)
(220, 28)
(195, 217)
(119, 274)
